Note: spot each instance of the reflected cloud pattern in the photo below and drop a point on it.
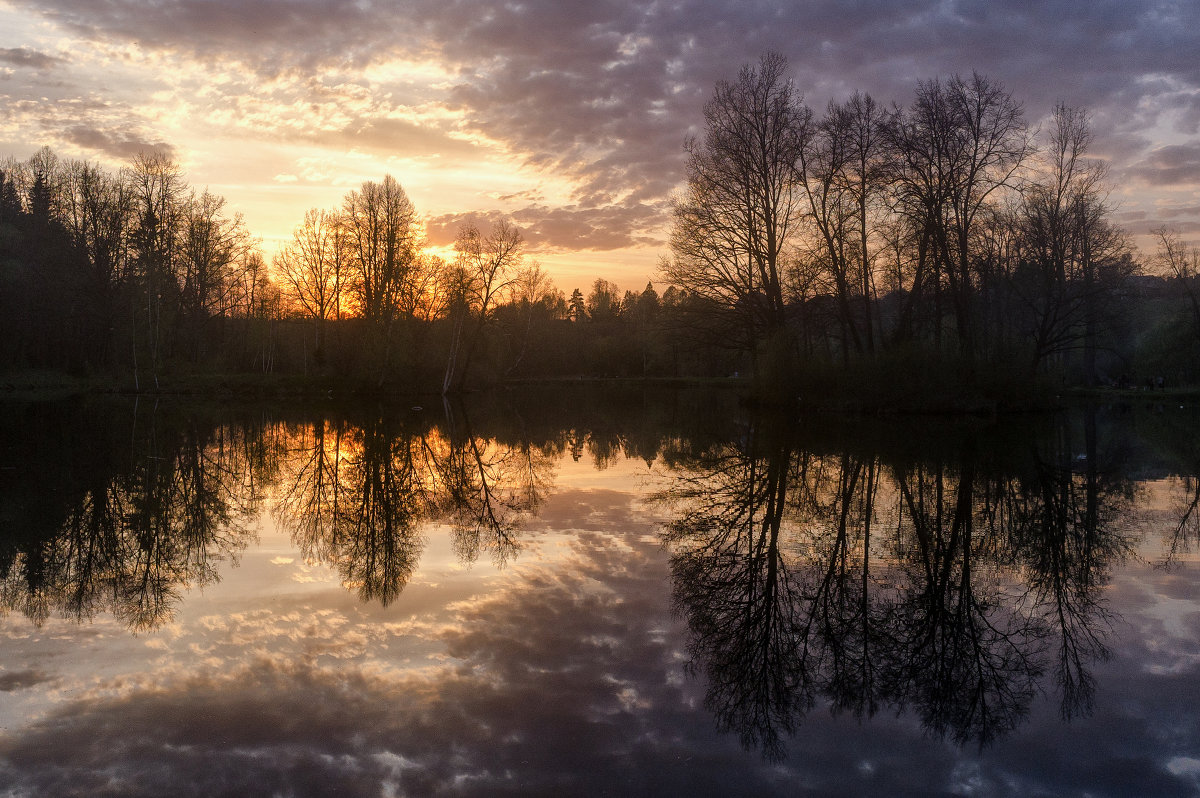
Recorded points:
(623, 597)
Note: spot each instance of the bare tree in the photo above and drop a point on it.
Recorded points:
(384, 236)
(958, 147)
(1067, 244)
(1182, 262)
(312, 268)
(98, 214)
(604, 301)
(211, 245)
(486, 268)
(825, 161)
(736, 216)
(157, 186)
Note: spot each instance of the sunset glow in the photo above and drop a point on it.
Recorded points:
(569, 118)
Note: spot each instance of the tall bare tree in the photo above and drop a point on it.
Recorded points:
(312, 268)
(958, 146)
(1182, 262)
(735, 218)
(211, 245)
(487, 268)
(384, 235)
(158, 189)
(1069, 249)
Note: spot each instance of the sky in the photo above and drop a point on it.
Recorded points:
(569, 117)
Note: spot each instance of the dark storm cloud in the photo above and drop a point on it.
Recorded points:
(605, 92)
(24, 57)
(1172, 165)
(19, 680)
(115, 143)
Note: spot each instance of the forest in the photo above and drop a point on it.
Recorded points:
(891, 253)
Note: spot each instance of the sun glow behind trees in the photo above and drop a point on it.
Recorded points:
(866, 238)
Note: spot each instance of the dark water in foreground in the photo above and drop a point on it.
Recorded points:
(617, 594)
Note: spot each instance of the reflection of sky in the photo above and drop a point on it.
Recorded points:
(560, 674)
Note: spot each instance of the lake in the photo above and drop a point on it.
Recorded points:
(596, 592)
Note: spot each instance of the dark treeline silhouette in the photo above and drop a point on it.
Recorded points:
(945, 240)
(958, 582)
(135, 276)
(919, 248)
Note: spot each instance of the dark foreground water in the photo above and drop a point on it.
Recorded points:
(596, 594)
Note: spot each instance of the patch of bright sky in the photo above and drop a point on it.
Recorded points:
(275, 147)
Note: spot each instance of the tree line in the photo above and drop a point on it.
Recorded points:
(946, 236)
(137, 275)
(948, 228)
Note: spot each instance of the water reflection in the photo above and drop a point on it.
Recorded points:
(951, 583)
(138, 513)
(360, 498)
(953, 575)
(120, 509)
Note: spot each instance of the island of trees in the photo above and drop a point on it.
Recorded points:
(895, 254)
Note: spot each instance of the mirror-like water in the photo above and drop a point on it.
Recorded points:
(605, 593)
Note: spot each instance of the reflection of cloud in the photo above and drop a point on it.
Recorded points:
(19, 680)
(568, 682)
(558, 686)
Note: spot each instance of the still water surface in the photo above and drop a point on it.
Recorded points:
(596, 594)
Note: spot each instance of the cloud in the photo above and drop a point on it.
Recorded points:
(401, 138)
(25, 57)
(269, 36)
(20, 680)
(549, 228)
(123, 145)
(1170, 165)
(601, 97)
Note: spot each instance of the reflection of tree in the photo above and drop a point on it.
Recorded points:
(1175, 435)
(127, 538)
(104, 510)
(733, 584)
(360, 498)
(970, 659)
(933, 585)
(355, 498)
(1062, 527)
(490, 490)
